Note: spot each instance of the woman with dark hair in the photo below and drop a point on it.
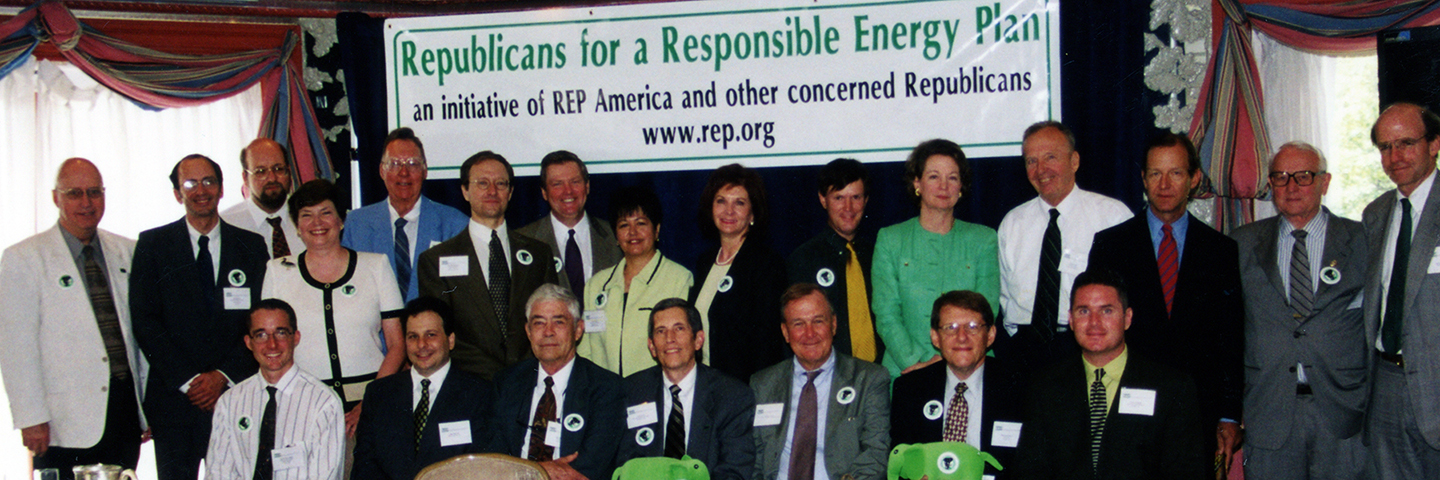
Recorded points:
(618, 299)
(921, 258)
(344, 300)
(739, 295)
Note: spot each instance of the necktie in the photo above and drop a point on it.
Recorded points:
(675, 428)
(1302, 296)
(544, 414)
(1097, 418)
(103, 304)
(802, 451)
(279, 246)
(422, 411)
(205, 265)
(1395, 299)
(264, 470)
(862, 328)
(1169, 263)
(499, 283)
(957, 417)
(402, 257)
(574, 265)
(1047, 288)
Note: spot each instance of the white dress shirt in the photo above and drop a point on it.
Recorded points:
(412, 226)
(1417, 198)
(582, 240)
(437, 380)
(822, 401)
(480, 236)
(249, 216)
(687, 400)
(308, 421)
(974, 397)
(562, 380)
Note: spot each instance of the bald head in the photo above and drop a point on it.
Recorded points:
(80, 196)
(266, 174)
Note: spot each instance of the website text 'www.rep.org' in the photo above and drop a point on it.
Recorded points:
(723, 134)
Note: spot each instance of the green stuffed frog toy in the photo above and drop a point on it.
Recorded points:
(662, 468)
(938, 461)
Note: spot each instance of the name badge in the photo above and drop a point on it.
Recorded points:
(768, 414)
(288, 457)
(552, 434)
(1006, 434)
(237, 298)
(454, 266)
(640, 415)
(1137, 401)
(595, 321)
(455, 433)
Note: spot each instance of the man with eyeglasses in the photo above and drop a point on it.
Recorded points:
(487, 271)
(1304, 273)
(406, 223)
(281, 423)
(968, 398)
(266, 174)
(1184, 282)
(1402, 300)
(65, 291)
(191, 288)
(583, 244)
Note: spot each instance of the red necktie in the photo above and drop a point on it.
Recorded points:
(1169, 266)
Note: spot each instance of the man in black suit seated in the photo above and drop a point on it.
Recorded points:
(556, 408)
(930, 404)
(683, 408)
(444, 411)
(1109, 414)
(192, 282)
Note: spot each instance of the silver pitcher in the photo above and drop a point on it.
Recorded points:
(102, 471)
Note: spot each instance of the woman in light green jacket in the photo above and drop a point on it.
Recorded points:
(618, 299)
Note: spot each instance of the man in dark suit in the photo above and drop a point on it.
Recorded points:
(449, 408)
(838, 259)
(582, 244)
(681, 408)
(793, 398)
(1109, 414)
(191, 287)
(929, 404)
(1305, 352)
(1402, 298)
(487, 271)
(1184, 282)
(558, 409)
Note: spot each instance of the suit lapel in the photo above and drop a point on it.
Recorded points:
(1336, 255)
(1138, 236)
(836, 413)
(701, 408)
(1268, 252)
(1422, 247)
(477, 275)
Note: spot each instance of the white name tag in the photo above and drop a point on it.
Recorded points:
(455, 433)
(552, 434)
(768, 414)
(1137, 401)
(595, 322)
(454, 266)
(1005, 434)
(237, 298)
(288, 457)
(641, 415)
(1434, 262)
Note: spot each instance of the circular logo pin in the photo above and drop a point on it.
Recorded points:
(524, 257)
(947, 462)
(348, 290)
(558, 266)
(601, 299)
(574, 422)
(244, 423)
(237, 278)
(725, 284)
(825, 277)
(932, 410)
(1330, 275)
(644, 436)
(845, 396)
(66, 281)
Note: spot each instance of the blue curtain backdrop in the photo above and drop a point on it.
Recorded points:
(1104, 100)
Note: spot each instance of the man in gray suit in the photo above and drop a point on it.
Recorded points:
(1305, 353)
(1402, 301)
(582, 244)
(792, 397)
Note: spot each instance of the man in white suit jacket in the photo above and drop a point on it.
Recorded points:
(71, 367)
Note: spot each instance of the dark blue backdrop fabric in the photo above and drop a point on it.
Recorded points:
(1104, 100)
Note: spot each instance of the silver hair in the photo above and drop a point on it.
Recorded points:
(1304, 147)
(549, 292)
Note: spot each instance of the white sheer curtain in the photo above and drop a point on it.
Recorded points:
(1296, 84)
(52, 111)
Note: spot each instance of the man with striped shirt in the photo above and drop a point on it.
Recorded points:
(298, 420)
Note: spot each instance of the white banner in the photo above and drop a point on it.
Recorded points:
(695, 85)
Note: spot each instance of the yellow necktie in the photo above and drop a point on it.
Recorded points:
(862, 329)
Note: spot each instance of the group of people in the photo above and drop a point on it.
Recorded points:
(1077, 341)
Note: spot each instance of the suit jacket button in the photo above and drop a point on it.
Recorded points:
(104, 359)
(1292, 369)
(103, 389)
(1298, 333)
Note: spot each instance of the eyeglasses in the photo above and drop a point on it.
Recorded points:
(281, 334)
(484, 184)
(1403, 143)
(409, 164)
(1175, 176)
(193, 184)
(1302, 178)
(79, 193)
(278, 170)
(971, 328)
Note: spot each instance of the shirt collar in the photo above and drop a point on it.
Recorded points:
(686, 384)
(581, 226)
(562, 376)
(195, 236)
(410, 217)
(1177, 228)
(436, 379)
(974, 383)
(1113, 370)
(286, 381)
(73, 243)
(258, 214)
(826, 368)
(1317, 224)
(1420, 195)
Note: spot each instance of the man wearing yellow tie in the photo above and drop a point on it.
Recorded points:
(839, 262)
